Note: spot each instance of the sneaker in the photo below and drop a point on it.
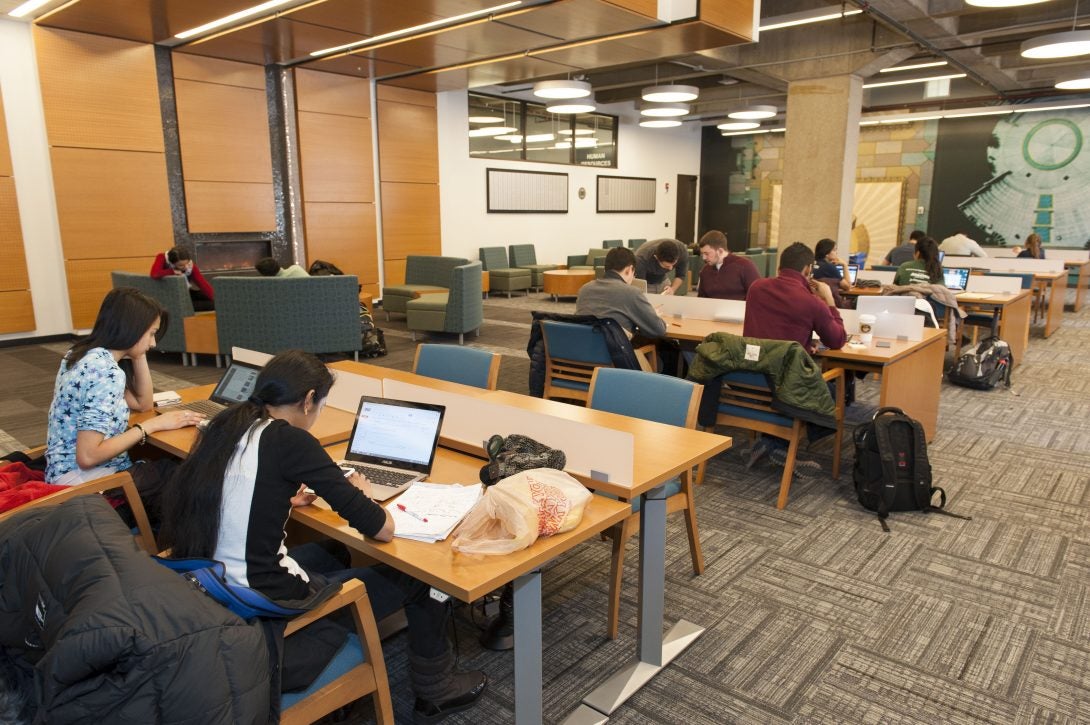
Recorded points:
(760, 450)
(803, 467)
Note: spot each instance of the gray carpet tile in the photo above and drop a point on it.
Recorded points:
(813, 614)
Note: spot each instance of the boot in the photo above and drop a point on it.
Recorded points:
(440, 689)
(500, 635)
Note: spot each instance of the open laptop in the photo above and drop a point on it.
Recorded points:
(853, 272)
(640, 284)
(393, 443)
(955, 278)
(236, 385)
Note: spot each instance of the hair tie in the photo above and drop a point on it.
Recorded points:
(256, 401)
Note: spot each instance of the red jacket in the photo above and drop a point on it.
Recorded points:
(161, 268)
(784, 308)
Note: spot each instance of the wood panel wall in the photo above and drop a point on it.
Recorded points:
(337, 172)
(105, 131)
(16, 305)
(409, 174)
(223, 130)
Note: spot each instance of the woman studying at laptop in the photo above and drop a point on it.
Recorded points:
(230, 499)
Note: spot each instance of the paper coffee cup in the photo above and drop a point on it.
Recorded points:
(866, 328)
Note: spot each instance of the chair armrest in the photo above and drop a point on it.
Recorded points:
(33, 453)
(647, 358)
(350, 591)
(837, 374)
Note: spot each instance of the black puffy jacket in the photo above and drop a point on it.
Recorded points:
(620, 347)
(115, 637)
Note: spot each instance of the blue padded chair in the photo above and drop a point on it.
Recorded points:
(745, 401)
(611, 243)
(464, 365)
(572, 353)
(662, 399)
(357, 669)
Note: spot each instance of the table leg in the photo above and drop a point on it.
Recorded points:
(1014, 327)
(1080, 285)
(913, 384)
(1056, 298)
(527, 604)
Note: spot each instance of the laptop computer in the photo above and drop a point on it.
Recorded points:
(853, 272)
(640, 284)
(955, 278)
(393, 443)
(886, 305)
(236, 385)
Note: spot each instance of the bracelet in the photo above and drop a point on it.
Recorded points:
(143, 433)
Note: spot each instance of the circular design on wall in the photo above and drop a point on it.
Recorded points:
(1052, 144)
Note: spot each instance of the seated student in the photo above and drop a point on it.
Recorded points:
(179, 261)
(828, 264)
(724, 275)
(1033, 249)
(269, 267)
(903, 252)
(960, 245)
(925, 267)
(102, 378)
(655, 259)
(235, 491)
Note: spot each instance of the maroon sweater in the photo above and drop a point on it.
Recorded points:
(730, 281)
(161, 268)
(784, 308)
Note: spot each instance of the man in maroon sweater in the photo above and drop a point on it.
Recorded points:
(724, 275)
(792, 306)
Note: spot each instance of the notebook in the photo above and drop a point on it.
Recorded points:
(393, 443)
(955, 278)
(236, 385)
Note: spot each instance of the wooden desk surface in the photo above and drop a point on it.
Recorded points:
(332, 426)
(463, 576)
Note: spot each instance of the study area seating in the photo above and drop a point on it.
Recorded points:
(611, 243)
(745, 401)
(173, 294)
(465, 365)
(271, 314)
(635, 244)
(594, 259)
(423, 275)
(501, 276)
(458, 310)
(572, 353)
(662, 399)
(525, 256)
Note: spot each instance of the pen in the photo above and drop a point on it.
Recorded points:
(418, 517)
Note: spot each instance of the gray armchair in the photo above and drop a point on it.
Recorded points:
(459, 310)
(501, 276)
(170, 292)
(423, 275)
(525, 256)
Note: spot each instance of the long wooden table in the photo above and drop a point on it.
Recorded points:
(911, 372)
(1014, 312)
(1082, 279)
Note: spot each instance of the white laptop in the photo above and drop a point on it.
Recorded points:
(393, 443)
(236, 385)
(955, 278)
(886, 305)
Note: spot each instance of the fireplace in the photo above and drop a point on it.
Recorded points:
(231, 256)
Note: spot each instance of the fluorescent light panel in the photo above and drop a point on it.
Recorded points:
(805, 19)
(906, 81)
(661, 123)
(233, 17)
(27, 8)
(415, 29)
(914, 66)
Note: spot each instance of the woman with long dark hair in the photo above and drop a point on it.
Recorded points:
(229, 500)
(102, 378)
(925, 268)
(827, 265)
(1033, 249)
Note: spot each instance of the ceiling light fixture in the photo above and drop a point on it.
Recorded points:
(1002, 3)
(805, 18)
(575, 105)
(374, 40)
(754, 113)
(1058, 45)
(670, 94)
(745, 133)
(665, 109)
(1076, 83)
(27, 8)
(661, 123)
(586, 143)
(914, 66)
(578, 132)
(233, 17)
(491, 131)
(485, 119)
(562, 89)
(906, 81)
(738, 126)
(1049, 108)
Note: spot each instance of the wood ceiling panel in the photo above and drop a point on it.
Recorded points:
(472, 42)
(385, 16)
(147, 21)
(358, 66)
(274, 41)
(510, 71)
(579, 19)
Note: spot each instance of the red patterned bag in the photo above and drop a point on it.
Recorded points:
(514, 512)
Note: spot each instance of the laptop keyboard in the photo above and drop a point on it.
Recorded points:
(381, 476)
(204, 407)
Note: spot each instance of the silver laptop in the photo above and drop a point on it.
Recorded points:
(955, 278)
(640, 284)
(853, 272)
(393, 443)
(886, 305)
(236, 385)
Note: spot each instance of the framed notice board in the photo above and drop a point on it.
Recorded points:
(625, 194)
(526, 192)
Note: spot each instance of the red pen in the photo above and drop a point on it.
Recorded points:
(418, 517)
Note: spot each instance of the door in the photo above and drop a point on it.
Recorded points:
(685, 223)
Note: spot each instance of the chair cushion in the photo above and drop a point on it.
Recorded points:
(431, 302)
(350, 655)
(411, 290)
(510, 274)
(766, 417)
(673, 486)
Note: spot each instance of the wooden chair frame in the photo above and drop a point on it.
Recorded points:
(366, 678)
(683, 500)
(583, 372)
(759, 399)
(493, 367)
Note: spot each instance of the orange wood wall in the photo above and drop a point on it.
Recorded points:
(336, 164)
(409, 174)
(16, 306)
(105, 133)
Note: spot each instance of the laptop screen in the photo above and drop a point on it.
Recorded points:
(886, 305)
(853, 272)
(955, 278)
(237, 384)
(396, 433)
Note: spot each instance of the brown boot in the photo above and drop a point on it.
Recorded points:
(440, 689)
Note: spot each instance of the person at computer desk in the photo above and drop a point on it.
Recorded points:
(1033, 249)
(655, 259)
(724, 276)
(903, 252)
(236, 490)
(924, 268)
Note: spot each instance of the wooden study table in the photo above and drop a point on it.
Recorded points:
(1082, 270)
(1014, 317)
(911, 372)
(1053, 286)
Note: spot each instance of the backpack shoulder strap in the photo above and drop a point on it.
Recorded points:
(889, 468)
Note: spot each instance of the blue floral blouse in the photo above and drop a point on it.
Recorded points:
(88, 396)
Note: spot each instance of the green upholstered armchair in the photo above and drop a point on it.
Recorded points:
(173, 294)
(525, 256)
(271, 314)
(423, 275)
(459, 310)
(611, 243)
(501, 276)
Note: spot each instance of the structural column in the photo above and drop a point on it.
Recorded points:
(820, 152)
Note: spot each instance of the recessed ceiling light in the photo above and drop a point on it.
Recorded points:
(578, 132)
(580, 105)
(1058, 45)
(745, 133)
(661, 123)
(914, 66)
(586, 143)
(562, 89)
(233, 17)
(906, 81)
(486, 119)
(754, 113)
(1077, 83)
(670, 94)
(562, 145)
(665, 109)
(805, 18)
(491, 131)
(738, 126)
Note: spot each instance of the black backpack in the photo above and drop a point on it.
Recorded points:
(892, 472)
(985, 367)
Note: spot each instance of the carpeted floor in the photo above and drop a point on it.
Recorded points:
(813, 614)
